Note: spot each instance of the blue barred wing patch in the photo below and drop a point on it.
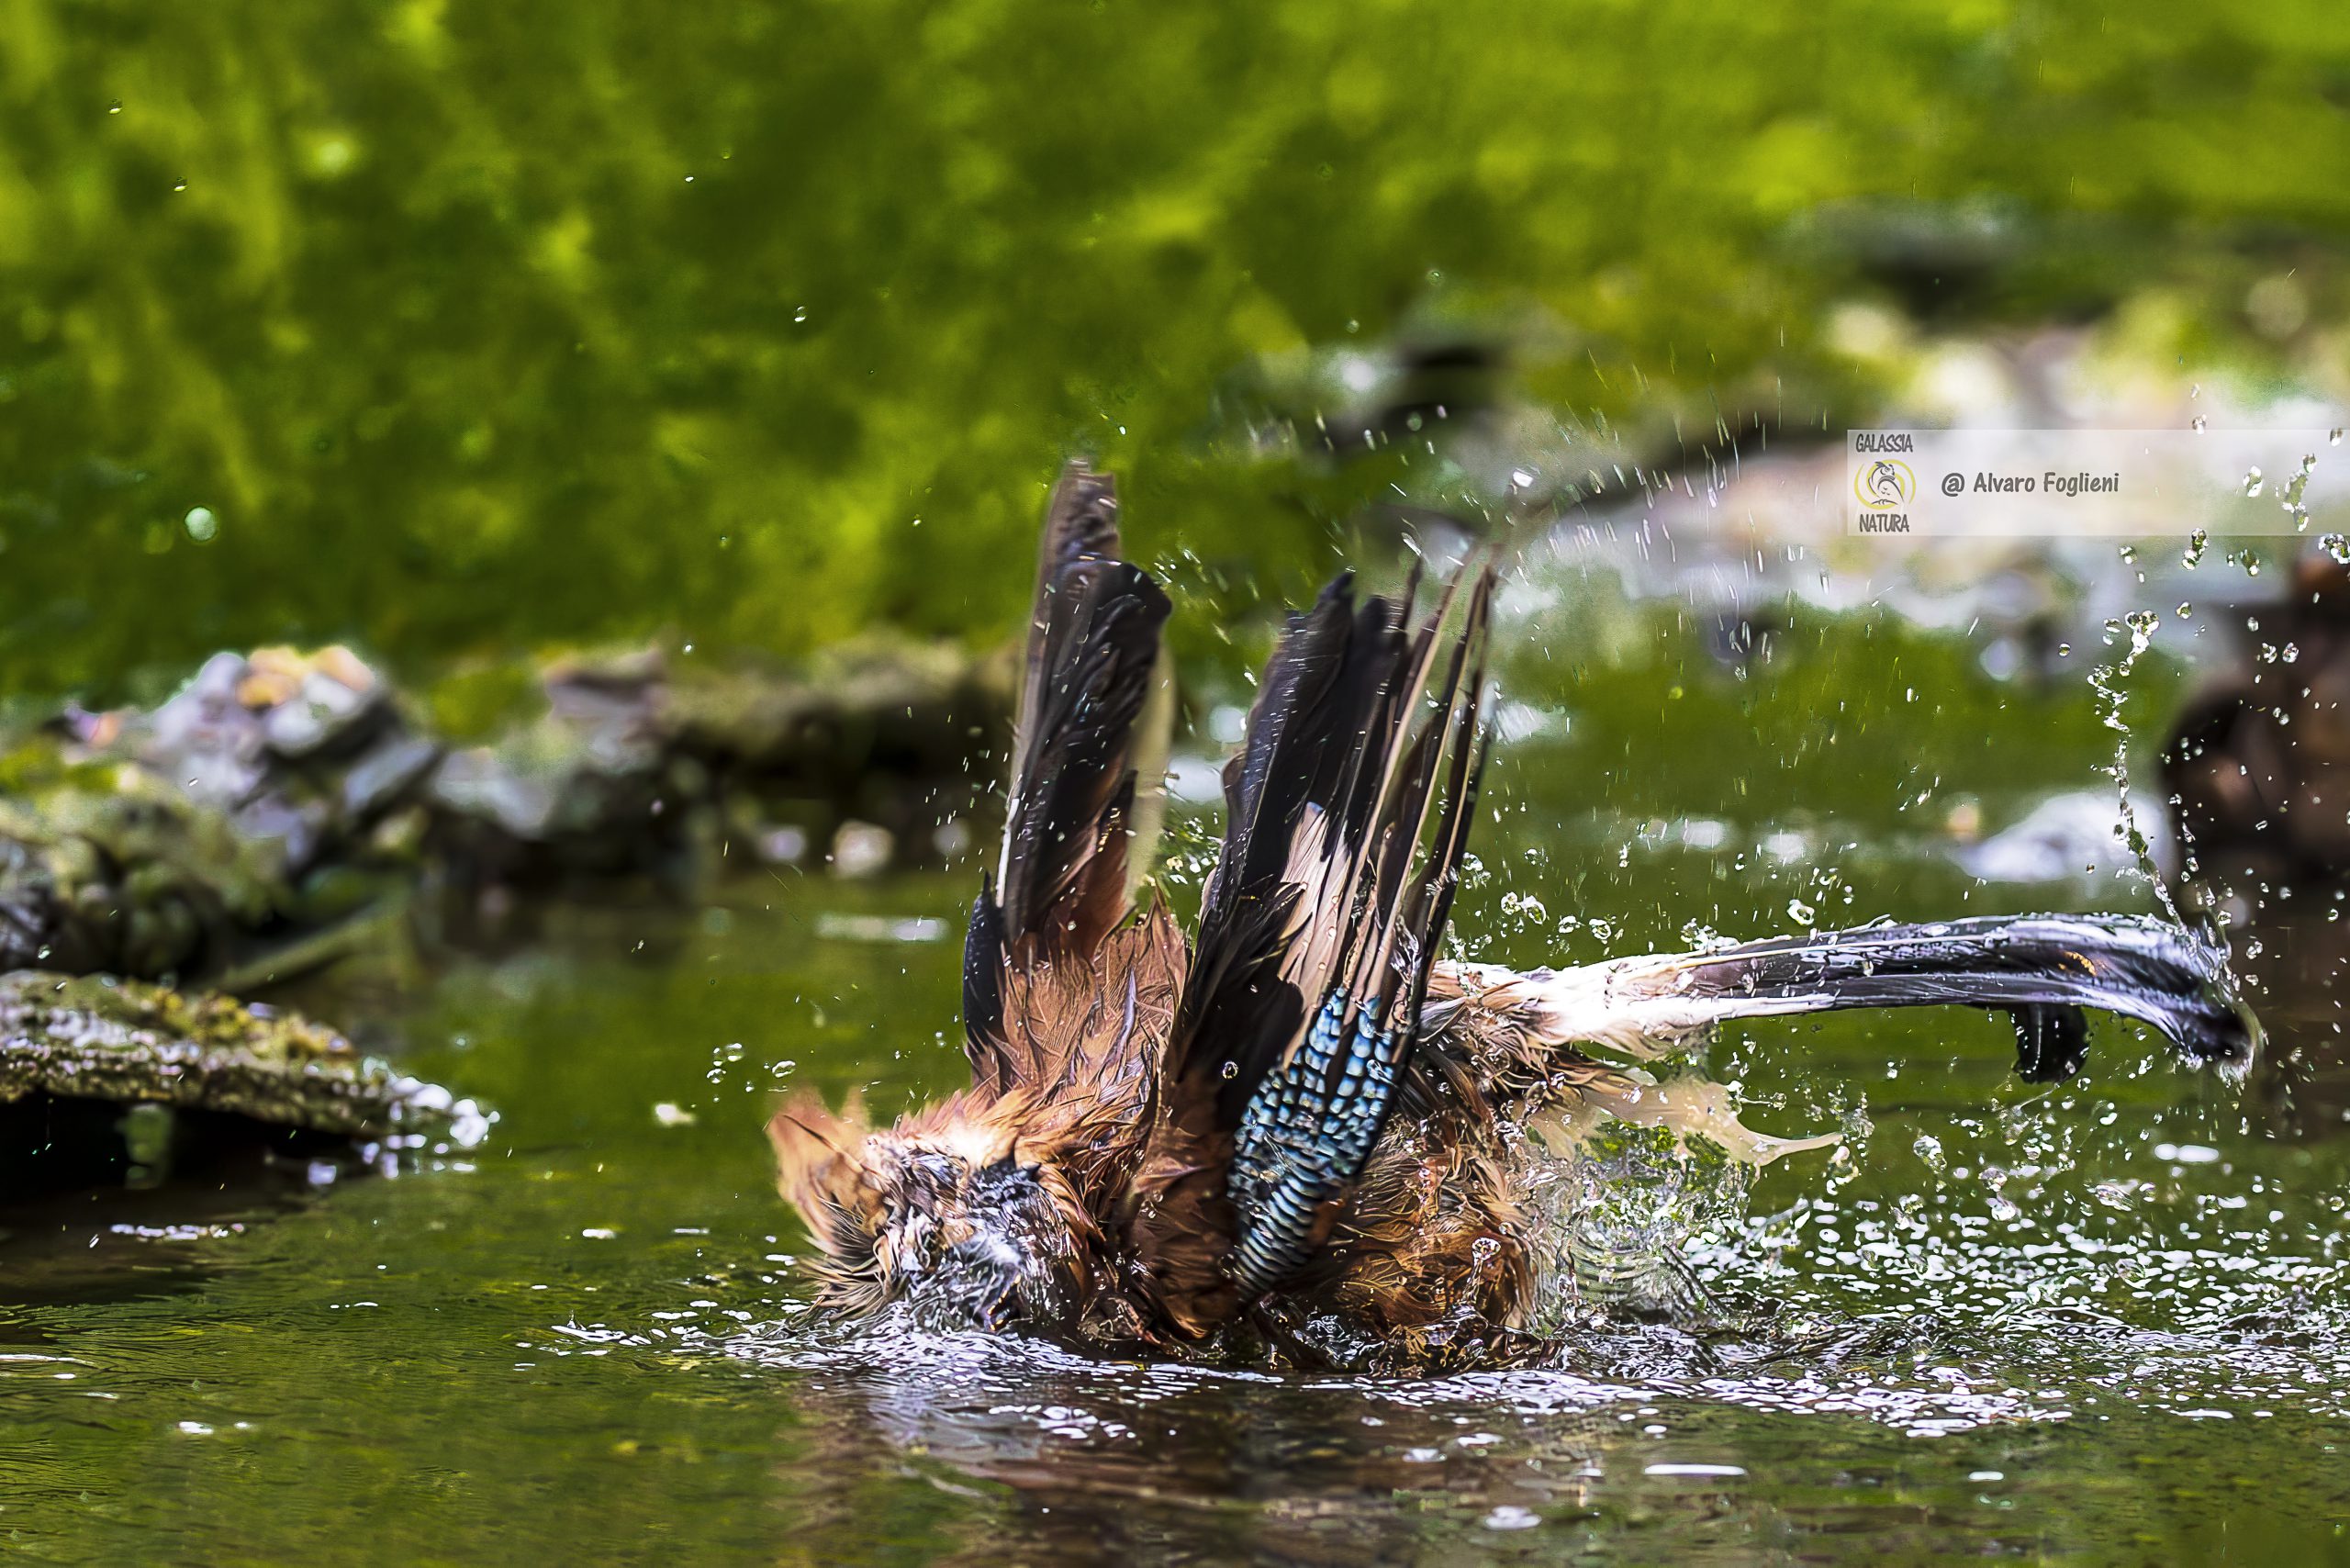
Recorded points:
(1306, 1137)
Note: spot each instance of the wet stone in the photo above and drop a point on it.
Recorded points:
(243, 824)
(178, 840)
(635, 763)
(78, 1053)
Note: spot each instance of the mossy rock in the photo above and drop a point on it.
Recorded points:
(121, 1043)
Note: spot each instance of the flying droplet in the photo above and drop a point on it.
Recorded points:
(201, 524)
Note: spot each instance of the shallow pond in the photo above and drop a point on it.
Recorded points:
(461, 332)
(2104, 1319)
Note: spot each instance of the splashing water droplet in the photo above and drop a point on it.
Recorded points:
(2109, 681)
(202, 525)
(2291, 497)
(2193, 555)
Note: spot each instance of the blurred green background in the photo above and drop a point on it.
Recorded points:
(472, 328)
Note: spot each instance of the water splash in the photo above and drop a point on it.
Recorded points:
(1613, 1211)
(2109, 679)
(2290, 495)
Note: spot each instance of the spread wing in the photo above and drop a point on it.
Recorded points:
(1316, 932)
(2042, 971)
(1087, 765)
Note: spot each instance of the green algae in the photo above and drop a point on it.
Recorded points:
(124, 1043)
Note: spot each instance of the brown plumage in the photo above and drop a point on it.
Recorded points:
(1299, 1129)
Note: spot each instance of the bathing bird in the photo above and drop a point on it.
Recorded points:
(1298, 1131)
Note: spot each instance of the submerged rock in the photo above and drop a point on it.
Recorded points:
(77, 1053)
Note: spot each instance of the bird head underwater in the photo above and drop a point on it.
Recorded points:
(1301, 1122)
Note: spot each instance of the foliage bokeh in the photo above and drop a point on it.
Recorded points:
(474, 327)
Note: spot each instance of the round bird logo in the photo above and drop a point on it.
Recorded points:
(1885, 485)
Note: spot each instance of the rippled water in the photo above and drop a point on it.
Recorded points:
(2103, 1320)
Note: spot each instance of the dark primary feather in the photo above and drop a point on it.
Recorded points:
(1093, 657)
(1309, 1128)
(2043, 970)
(1069, 820)
(1314, 934)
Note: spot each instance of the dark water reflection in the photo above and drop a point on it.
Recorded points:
(2102, 1320)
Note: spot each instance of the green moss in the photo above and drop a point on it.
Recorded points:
(98, 1038)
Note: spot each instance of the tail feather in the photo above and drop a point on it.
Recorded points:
(2043, 970)
(1316, 934)
(1077, 795)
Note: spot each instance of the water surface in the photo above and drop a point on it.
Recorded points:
(2100, 1320)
